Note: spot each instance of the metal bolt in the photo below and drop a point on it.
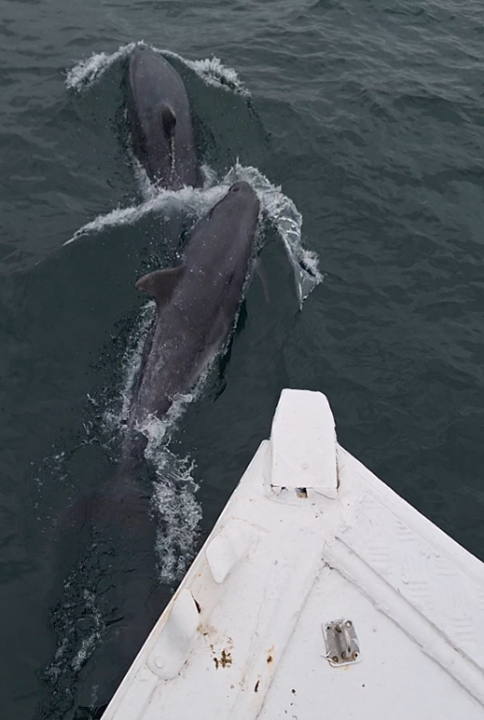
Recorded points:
(356, 655)
(335, 659)
(348, 623)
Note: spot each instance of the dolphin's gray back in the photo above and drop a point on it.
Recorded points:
(197, 303)
(160, 120)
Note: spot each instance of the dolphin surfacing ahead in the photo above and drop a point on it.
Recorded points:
(160, 121)
(197, 303)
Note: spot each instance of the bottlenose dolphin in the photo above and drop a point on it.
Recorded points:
(197, 303)
(160, 122)
(111, 531)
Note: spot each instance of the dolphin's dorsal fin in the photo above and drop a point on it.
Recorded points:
(161, 283)
(168, 121)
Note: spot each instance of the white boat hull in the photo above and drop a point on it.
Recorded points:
(310, 537)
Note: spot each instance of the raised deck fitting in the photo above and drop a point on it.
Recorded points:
(341, 643)
(174, 640)
(227, 548)
(304, 453)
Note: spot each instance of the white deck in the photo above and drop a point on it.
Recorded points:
(242, 637)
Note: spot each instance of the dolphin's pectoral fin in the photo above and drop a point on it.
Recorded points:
(168, 121)
(161, 283)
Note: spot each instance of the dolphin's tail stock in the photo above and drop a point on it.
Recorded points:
(107, 595)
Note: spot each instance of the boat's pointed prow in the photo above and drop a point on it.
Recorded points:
(318, 592)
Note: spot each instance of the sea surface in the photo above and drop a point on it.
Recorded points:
(361, 125)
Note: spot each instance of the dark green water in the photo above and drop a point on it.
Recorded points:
(370, 115)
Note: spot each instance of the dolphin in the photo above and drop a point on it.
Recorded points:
(111, 530)
(105, 596)
(196, 306)
(160, 122)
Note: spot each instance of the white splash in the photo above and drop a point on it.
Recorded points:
(193, 200)
(69, 655)
(211, 70)
(89, 70)
(283, 213)
(88, 644)
(148, 190)
(179, 514)
(176, 508)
